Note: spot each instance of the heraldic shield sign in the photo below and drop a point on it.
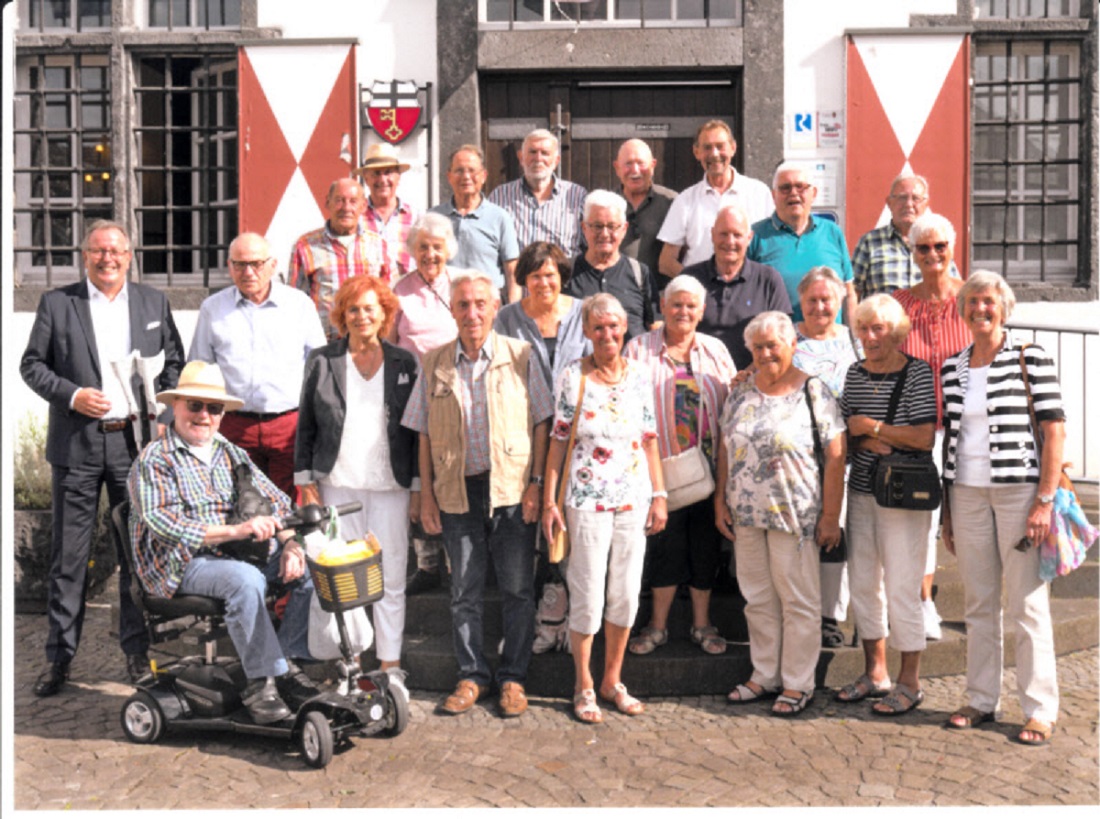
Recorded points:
(394, 109)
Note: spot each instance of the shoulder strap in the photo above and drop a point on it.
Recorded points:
(637, 270)
(852, 340)
(819, 451)
(1036, 431)
(563, 478)
(895, 395)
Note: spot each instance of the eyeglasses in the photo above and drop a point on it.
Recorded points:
(598, 227)
(939, 247)
(915, 198)
(241, 265)
(798, 187)
(113, 252)
(198, 406)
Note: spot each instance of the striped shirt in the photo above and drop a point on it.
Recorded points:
(1011, 439)
(320, 263)
(557, 220)
(867, 393)
(936, 332)
(883, 263)
(175, 496)
(394, 232)
(711, 367)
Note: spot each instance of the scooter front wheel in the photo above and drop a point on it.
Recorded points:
(316, 739)
(142, 719)
(397, 718)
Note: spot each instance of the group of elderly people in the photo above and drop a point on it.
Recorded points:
(792, 443)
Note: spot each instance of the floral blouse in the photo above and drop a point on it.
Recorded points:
(773, 480)
(608, 470)
(828, 359)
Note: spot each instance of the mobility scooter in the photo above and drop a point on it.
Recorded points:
(203, 692)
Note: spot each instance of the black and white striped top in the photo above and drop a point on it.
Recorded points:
(867, 393)
(1011, 440)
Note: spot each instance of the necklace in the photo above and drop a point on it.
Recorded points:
(604, 379)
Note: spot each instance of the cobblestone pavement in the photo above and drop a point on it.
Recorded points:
(70, 752)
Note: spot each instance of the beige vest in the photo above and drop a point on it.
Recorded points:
(510, 424)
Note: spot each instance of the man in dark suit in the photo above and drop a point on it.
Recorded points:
(78, 360)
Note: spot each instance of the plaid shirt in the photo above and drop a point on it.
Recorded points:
(320, 263)
(175, 496)
(393, 234)
(883, 263)
(557, 220)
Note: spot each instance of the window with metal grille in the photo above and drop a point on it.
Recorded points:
(172, 14)
(1029, 162)
(78, 15)
(626, 13)
(186, 164)
(1015, 9)
(63, 172)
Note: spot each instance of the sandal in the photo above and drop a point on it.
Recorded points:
(709, 639)
(862, 689)
(968, 717)
(648, 639)
(746, 694)
(796, 705)
(1041, 730)
(631, 706)
(585, 708)
(901, 700)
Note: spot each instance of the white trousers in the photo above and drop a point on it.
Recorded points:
(604, 568)
(387, 515)
(988, 522)
(834, 576)
(782, 589)
(934, 529)
(886, 559)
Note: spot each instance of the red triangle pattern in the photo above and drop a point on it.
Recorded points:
(942, 153)
(321, 162)
(266, 161)
(875, 156)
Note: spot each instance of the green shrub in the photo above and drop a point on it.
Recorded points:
(33, 478)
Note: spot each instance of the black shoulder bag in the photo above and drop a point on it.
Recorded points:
(906, 479)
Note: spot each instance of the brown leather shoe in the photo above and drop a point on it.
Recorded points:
(466, 693)
(513, 700)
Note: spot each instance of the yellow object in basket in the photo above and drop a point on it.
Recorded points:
(339, 554)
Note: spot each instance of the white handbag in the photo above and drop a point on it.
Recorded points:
(688, 478)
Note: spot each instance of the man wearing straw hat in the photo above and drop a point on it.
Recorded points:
(386, 214)
(182, 494)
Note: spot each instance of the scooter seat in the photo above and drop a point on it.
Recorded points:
(184, 605)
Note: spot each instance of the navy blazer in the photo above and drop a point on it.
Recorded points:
(62, 357)
(321, 412)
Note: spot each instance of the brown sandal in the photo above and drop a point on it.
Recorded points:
(968, 717)
(1042, 729)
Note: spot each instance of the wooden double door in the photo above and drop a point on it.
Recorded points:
(593, 114)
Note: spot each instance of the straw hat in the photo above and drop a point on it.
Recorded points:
(204, 382)
(382, 155)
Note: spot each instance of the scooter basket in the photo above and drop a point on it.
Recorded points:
(348, 586)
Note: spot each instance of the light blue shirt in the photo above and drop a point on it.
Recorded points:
(486, 238)
(260, 348)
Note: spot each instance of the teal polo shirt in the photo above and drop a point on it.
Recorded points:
(774, 243)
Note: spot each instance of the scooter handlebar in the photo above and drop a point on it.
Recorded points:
(314, 516)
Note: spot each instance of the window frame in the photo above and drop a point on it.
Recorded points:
(549, 21)
(193, 8)
(27, 15)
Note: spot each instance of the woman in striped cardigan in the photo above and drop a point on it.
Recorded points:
(1000, 496)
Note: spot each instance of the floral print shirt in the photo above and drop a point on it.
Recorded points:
(608, 470)
(773, 480)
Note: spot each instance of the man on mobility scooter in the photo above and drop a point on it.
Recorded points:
(182, 495)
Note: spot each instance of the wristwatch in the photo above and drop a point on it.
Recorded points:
(1045, 499)
(661, 494)
(536, 480)
(877, 428)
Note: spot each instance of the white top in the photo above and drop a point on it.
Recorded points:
(111, 325)
(972, 457)
(693, 213)
(364, 458)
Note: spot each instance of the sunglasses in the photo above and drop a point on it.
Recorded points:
(940, 247)
(797, 187)
(198, 406)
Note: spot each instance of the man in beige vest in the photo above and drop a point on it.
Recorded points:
(483, 411)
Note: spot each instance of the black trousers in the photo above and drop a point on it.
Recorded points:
(76, 491)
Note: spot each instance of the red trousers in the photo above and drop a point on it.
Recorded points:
(270, 444)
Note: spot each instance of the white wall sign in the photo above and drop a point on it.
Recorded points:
(830, 129)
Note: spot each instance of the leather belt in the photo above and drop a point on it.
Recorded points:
(263, 416)
(114, 426)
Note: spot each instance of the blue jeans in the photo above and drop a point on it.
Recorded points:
(242, 588)
(470, 540)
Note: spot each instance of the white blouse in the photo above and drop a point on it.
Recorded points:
(364, 458)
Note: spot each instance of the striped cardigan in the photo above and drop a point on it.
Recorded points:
(1011, 440)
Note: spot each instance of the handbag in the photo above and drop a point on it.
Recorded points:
(688, 477)
(906, 479)
(1071, 535)
(558, 547)
(839, 553)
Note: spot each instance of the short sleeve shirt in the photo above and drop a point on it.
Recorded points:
(486, 238)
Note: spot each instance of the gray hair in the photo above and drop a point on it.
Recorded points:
(538, 135)
(437, 226)
(472, 275)
(768, 322)
(822, 273)
(906, 177)
(600, 305)
(885, 307)
(685, 284)
(604, 199)
(104, 224)
(337, 182)
(790, 165)
(929, 223)
(987, 280)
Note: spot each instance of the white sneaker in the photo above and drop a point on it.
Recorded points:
(932, 630)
